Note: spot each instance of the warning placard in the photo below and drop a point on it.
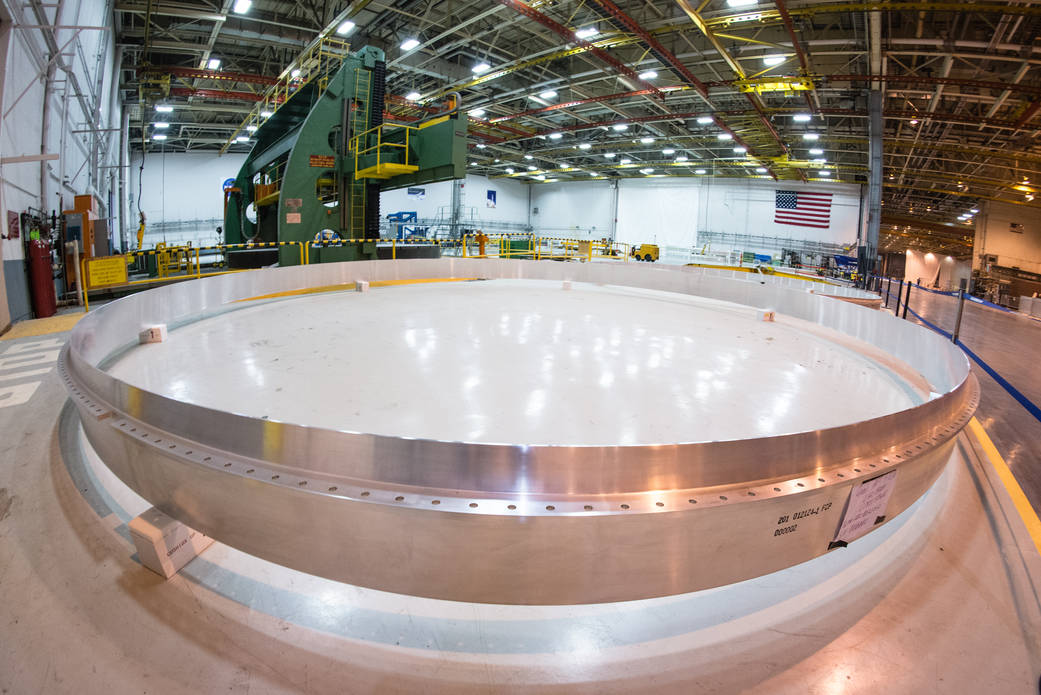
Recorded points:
(292, 218)
(326, 161)
(106, 271)
(867, 507)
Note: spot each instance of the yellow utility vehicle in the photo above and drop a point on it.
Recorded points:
(645, 252)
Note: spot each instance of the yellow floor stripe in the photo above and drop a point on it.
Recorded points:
(1023, 506)
(349, 286)
(53, 324)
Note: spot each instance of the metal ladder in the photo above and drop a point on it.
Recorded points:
(361, 119)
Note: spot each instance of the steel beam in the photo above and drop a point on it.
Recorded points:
(570, 37)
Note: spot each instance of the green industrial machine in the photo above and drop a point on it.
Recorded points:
(322, 155)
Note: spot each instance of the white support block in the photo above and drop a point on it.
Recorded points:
(361, 285)
(165, 545)
(762, 315)
(153, 334)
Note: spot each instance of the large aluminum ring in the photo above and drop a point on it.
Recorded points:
(505, 523)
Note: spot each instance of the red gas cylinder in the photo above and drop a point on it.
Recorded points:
(41, 279)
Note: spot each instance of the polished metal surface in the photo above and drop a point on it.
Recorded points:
(510, 523)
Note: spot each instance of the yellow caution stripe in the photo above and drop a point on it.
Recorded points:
(1019, 498)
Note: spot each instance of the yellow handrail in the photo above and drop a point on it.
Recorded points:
(356, 142)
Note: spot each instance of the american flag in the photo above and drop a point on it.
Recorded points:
(803, 209)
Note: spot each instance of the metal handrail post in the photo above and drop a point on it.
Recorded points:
(907, 299)
(957, 321)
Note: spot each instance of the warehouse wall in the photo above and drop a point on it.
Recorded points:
(1012, 233)
(672, 211)
(936, 271)
(181, 193)
(40, 110)
(511, 206)
(583, 209)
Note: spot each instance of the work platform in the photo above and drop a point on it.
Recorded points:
(942, 598)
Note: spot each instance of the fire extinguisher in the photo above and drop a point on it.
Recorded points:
(41, 279)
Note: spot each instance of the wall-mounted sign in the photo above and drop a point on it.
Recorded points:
(292, 218)
(325, 161)
(417, 193)
(491, 199)
(1015, 227)
(228, 184)
(106, 271)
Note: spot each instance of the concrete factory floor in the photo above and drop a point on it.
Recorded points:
(944, 598)
(1011, 344)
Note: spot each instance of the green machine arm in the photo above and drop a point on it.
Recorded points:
(322, 158)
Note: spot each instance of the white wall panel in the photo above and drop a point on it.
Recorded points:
(672, 211)
(658, 211)
(580, 210)
(511, 207)
(180, 186)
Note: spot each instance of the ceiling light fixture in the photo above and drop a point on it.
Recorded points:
(740, 150)
(646, 141)
(345, 28)
(509, 170)
(480, 68)
(724, 136)
(817, 150)
(159, 136)
(555, 136)
(609, 155)
(619, 127)
(772, 60)
(740, 3)
(213, 64)
(528, 156)
(242, 6)
(476, 113)
(681, 158)
(164, 108)
(668, 151)
(626, 161)
(584, 146)
(801, 117)
(646, 171)
(266, 114)
(548, 94)
(242, 138)
(409, 44)
(705, 120)
(823, 172)
(648, 75)
(587, 32)
(811, 136)
(699, 171)
(295, 73)
(481, 146)
(251, 128)
(160, 125)
(760, 170)
(531, 168)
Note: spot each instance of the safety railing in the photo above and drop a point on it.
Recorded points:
(362, 145)
(316, 64)
(172, 264)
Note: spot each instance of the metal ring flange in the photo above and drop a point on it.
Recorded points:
(448, 519)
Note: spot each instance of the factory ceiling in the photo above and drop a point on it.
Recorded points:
(590, 89)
